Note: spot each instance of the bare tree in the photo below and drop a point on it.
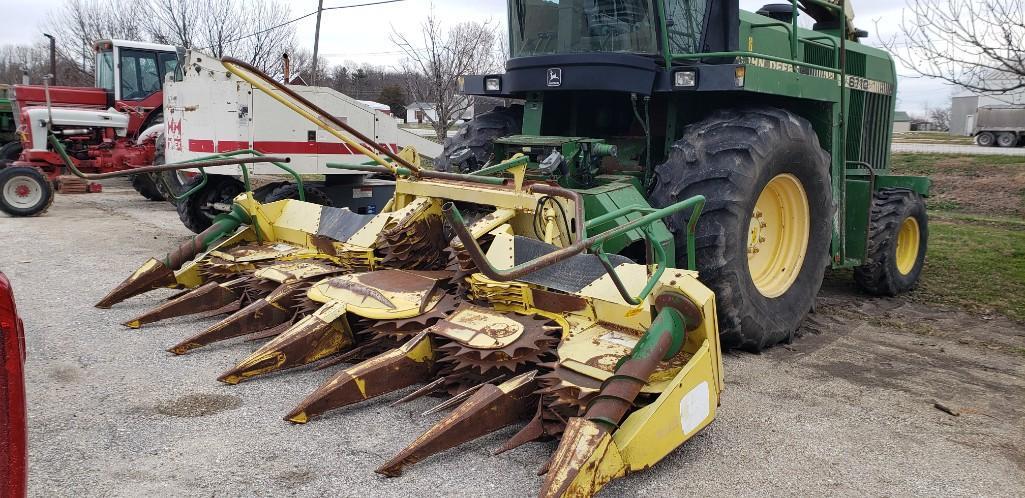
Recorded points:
(434, 62)
(975, 44)
(256, 31)
(940, 116)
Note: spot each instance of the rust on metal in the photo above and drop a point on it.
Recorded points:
(152, 275)
(259, 315)
(388, 372)
(309, 340)
(489, 408)
(208, 297)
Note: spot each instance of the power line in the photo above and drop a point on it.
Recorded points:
(304, 16)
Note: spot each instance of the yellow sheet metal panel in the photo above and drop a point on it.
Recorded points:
(650, 433)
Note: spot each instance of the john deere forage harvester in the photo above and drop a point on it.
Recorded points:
(532, 277)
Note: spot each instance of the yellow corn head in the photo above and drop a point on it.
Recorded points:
(511, 323)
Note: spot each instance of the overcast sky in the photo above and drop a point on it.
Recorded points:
(362, 34)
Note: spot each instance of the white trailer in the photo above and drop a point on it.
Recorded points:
(211, 111)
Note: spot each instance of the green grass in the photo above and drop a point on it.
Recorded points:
(925, 164)
(932, 137)
(976, 263)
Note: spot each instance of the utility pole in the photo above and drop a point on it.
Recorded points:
(316, 42)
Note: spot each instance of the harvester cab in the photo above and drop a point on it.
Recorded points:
(677, 180)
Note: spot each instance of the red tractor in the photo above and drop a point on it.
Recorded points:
(111, 127)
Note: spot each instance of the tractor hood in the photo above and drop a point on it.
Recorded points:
(610, 72)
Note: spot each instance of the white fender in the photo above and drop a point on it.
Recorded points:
(152, 131)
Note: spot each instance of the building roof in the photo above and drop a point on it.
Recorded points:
(901, 117)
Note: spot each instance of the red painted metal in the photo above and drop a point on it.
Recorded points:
(27, 95)
(13, 415)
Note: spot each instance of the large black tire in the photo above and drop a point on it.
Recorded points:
(881, 274)
(197, 211)
(730, 158)
(478, 137)
(9, 153)
(168, 183)
(1007, 139)
(145, 185)
(291, 191)
(985, 139)
(24, 191)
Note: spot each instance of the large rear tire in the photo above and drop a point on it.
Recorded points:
(198, 211)
(898, 237)
(474, 144)
(9, 153)
(291, 191)
(147, 187)
(169, 183)
(764, 237)
(24, 191)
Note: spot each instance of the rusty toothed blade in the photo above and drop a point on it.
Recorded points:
(489, 409)
(313, 338)
(387, 372)
(258, 316)
(208, 297)
(154, 274)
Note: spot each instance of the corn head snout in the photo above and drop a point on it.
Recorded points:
(491, 296)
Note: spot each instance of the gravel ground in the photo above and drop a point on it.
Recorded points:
(927, 148)
(845, 410)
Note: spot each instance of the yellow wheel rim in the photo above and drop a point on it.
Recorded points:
(778, 235)
(908, 240)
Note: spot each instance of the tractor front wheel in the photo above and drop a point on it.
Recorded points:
(198, 211)
(898, 236)
(764, 237)
(24, 191)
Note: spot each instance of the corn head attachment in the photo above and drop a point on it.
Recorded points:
(494, 294)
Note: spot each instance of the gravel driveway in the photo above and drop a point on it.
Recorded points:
(845, 410)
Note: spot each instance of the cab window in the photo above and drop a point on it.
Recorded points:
(140, 76)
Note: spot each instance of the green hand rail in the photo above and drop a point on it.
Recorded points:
(593, 244)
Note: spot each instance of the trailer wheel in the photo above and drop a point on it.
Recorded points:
(198, 211)
(474, 144)
(764, 237)
(1007, 139)
(145, 186)
(898, 237)
(9, 153)
(291, 191)
(985, 139)
(24, 191)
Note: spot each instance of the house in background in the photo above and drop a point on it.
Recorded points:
(901, 122)
(424, 113)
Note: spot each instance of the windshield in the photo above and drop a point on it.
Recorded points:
(541, 27)
(105, 70)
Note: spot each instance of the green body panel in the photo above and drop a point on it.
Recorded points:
(858, 199)
(845, 89)
(615, 193)
(8, 126)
